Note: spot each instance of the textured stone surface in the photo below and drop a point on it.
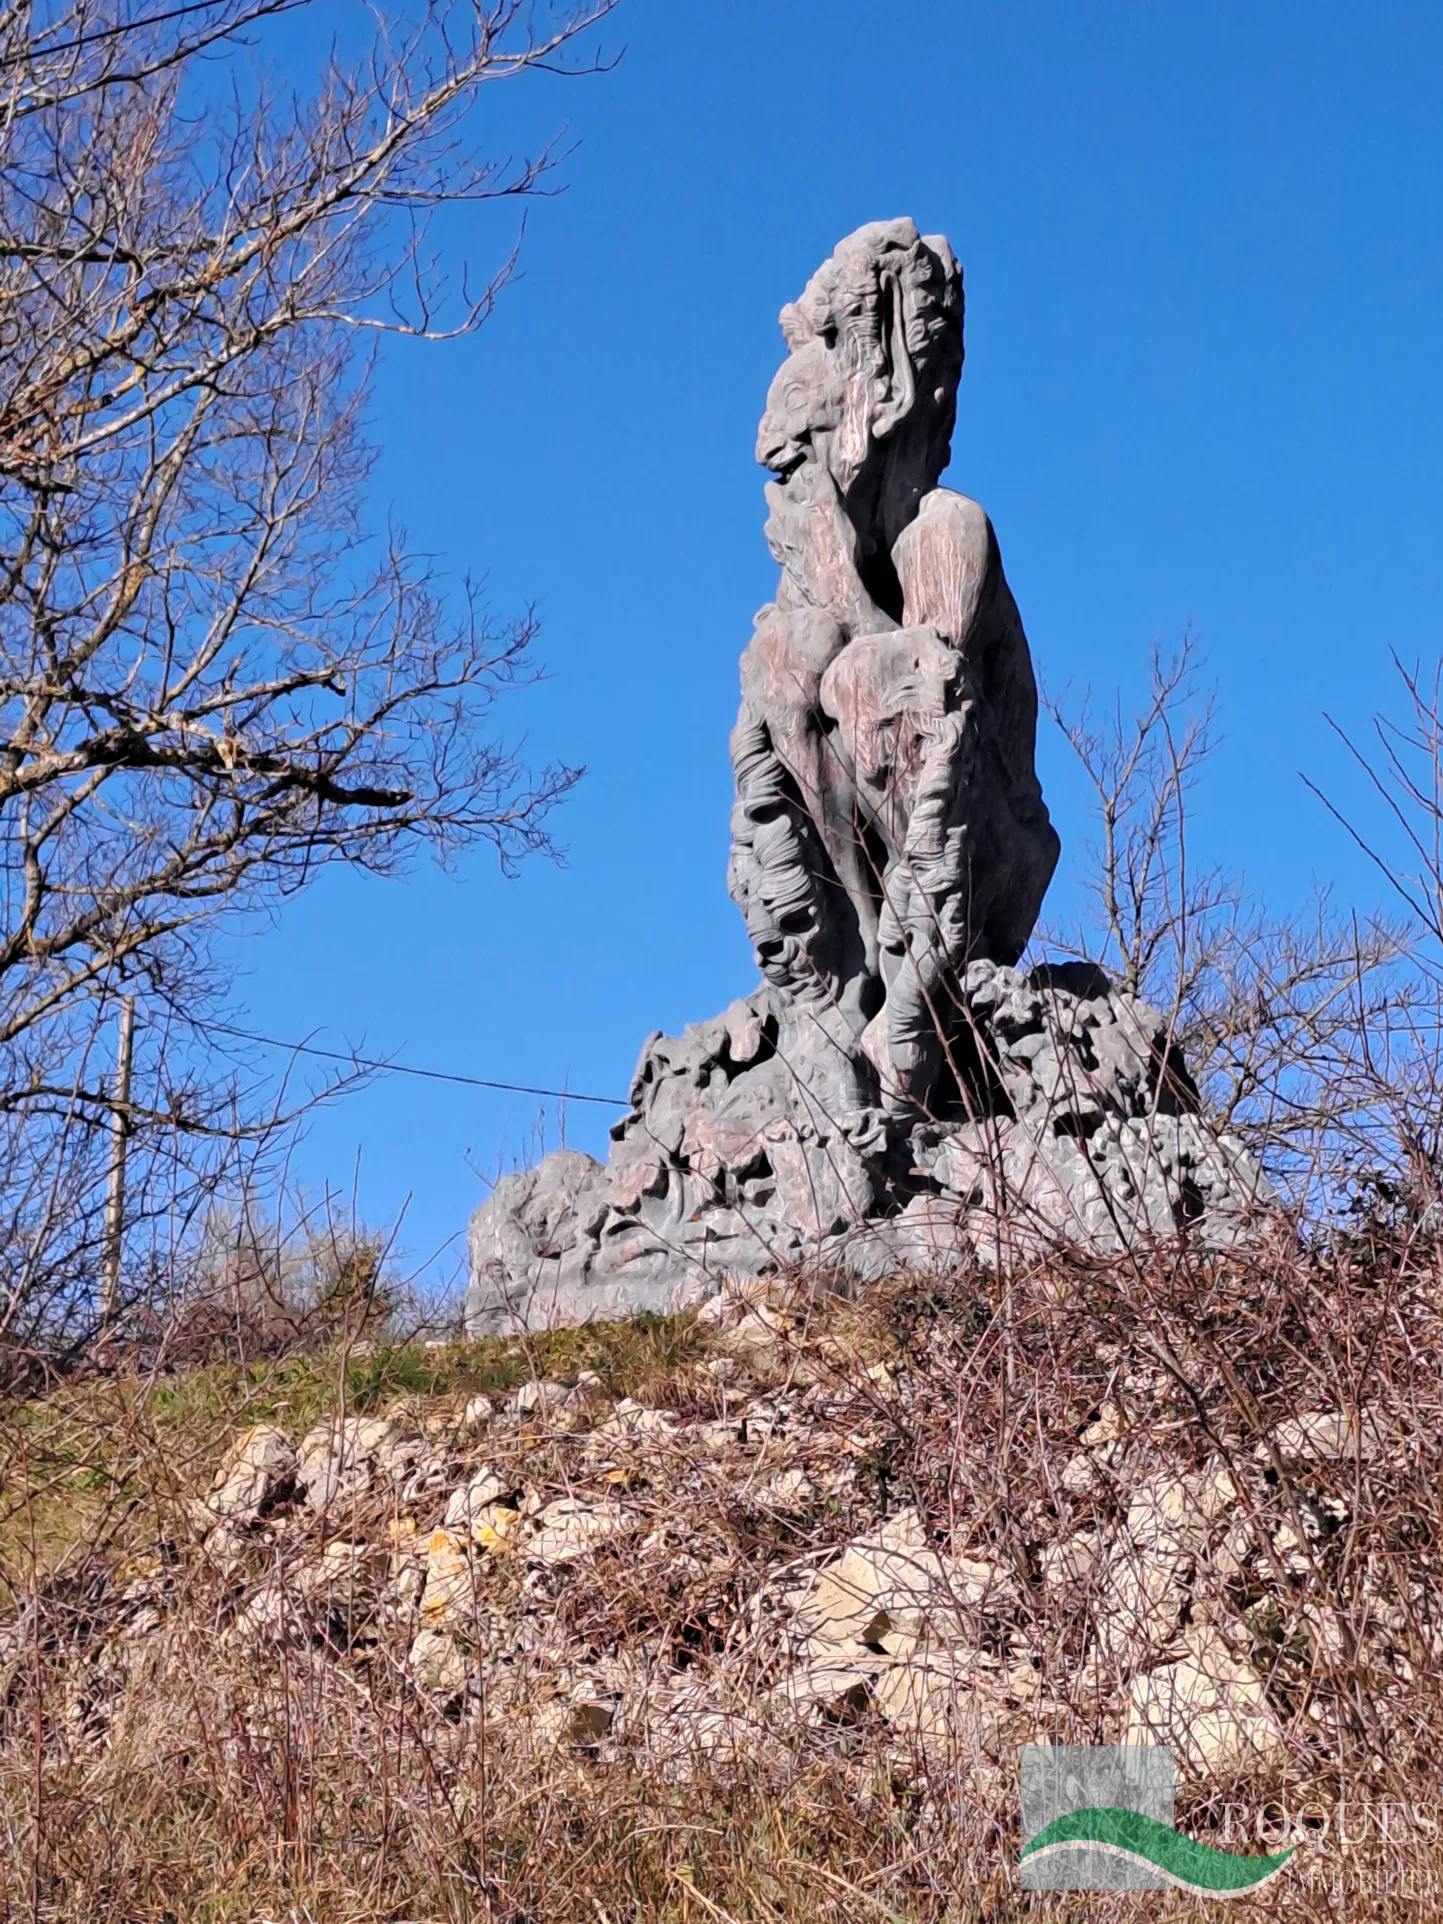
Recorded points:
(895, 1092)
(889, 825)
(1084, 1133)
(1211, 1708)
(257, 1467)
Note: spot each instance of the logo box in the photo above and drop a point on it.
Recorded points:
(1059, 1778)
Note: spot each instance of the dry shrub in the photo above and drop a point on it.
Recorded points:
(156, 1764)
(259, 1290)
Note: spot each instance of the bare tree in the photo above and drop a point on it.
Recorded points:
(1402, 771)
(212, 686)
(1292, 1024)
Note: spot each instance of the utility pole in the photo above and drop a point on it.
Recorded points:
(115, 1191)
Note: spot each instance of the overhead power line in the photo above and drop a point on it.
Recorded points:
(404, 1069)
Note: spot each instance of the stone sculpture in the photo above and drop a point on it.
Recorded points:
(889, 825)
(895, 1091)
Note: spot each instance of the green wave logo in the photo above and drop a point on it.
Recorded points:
(1127, 1833)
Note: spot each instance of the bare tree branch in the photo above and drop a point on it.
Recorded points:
(215, 680)
(1295, 1026)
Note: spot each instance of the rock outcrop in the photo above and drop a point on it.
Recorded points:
(895, 1091)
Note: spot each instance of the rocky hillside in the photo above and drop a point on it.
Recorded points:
(747, 1619)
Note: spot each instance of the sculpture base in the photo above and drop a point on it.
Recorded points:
(761, 1141)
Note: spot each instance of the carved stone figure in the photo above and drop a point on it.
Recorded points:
(889, 825)
(895, 1092)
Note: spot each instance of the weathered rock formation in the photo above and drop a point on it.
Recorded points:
(895, 1091)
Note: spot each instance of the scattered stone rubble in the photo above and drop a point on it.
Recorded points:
(573, 1564)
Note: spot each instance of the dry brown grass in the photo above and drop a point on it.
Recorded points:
(186, 1773)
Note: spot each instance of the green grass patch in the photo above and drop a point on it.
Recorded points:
(102, 1447)
(299, 1391)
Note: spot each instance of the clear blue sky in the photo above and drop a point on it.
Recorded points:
(1204, 317)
